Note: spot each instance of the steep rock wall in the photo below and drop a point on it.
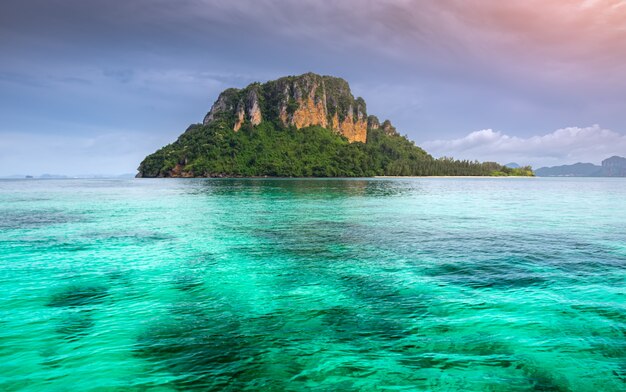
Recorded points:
(298, 101)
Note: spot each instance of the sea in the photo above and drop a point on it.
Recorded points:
(404, 284)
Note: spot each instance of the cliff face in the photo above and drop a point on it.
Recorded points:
(298, 101)
(614, 167)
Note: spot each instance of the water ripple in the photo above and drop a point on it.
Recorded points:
(355, 285)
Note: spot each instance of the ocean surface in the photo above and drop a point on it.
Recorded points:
(515, 284)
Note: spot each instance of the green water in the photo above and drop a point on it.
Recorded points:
(313, 285)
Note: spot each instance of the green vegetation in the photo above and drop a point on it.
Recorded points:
(272, 150)
(525, 171)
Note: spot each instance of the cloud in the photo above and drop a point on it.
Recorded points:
(566, 145)
(535, 36)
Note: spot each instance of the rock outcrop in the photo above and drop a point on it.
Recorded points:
(614, 167)
(298, 101)
(388, 128)
(372, 122)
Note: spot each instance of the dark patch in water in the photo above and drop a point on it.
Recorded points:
(187, 283)
(212, 354)
(75, 326)
(497, 274)
(71, 247)
(541, 380)
(481, 346)
(50, 244)
(425, 361)
(268, 323)
(118, 276)
(133, 236)
(441, 352)
(314, 240)
(33, 219)
(484, 346)
(204, 259)
(75, 296)
(620, 373)
(384, 296)
(51, 359)
(614, 314)
(349, 326)
(582, 260)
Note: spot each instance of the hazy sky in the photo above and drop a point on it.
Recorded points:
(92, 87)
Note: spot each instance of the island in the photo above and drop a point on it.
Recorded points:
(301, 126)
(614, 166)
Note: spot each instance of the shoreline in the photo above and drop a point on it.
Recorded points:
(453, 177)
(329, 178)
(257, 177)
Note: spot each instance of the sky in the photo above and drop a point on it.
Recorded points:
(87, 87)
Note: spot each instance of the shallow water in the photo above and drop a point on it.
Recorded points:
(375, 284)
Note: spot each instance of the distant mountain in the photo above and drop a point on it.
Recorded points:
(611, 167)
(512, 165)
(575, 170)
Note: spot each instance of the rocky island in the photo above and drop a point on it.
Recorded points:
(614, 166)
(300, 126)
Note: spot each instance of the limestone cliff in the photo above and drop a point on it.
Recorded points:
(298, 101)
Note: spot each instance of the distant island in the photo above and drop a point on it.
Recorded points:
(301, 126)
(48, 176)
(611, 167)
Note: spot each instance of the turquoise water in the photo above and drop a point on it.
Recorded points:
(313, 285)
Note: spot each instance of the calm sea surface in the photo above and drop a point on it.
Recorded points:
(321, 285)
